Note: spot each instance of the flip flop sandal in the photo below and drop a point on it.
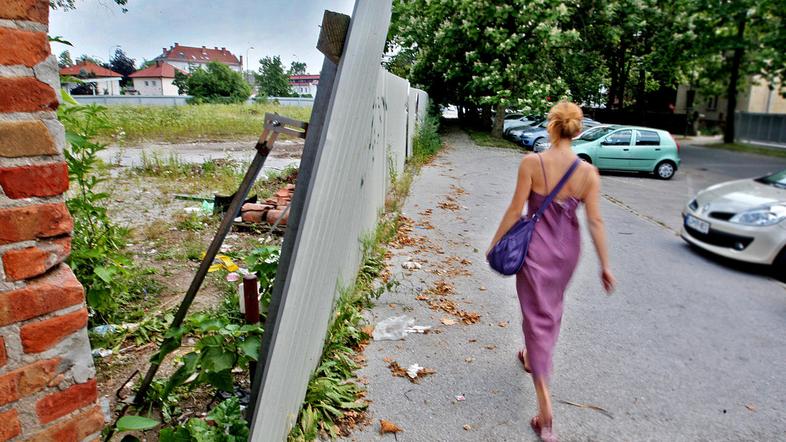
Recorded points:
(524, 361)
(546, 434)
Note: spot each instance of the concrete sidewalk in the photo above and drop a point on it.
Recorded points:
(661, 355)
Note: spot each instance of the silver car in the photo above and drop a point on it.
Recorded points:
(743, 220)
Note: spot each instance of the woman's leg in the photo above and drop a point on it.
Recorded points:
(544, 400)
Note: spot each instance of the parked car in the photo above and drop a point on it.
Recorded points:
(541, 140)
(743, 220)
(520, 121)
(629, 148)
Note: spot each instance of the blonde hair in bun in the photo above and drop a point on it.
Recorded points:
(564, 121)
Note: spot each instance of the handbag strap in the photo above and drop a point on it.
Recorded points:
(560, 185)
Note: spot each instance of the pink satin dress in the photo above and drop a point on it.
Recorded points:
(551, 259)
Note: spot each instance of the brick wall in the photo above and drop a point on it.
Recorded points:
(47, 379)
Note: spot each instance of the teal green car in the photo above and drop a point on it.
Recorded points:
(629, 148)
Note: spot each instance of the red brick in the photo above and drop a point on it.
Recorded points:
(42, 335)
(9, 391)
(32, 222)
(60, 403)
(9, 425)
(73, 430)
(40, 180)
(56, 290)
(25, 139)
(29, 48)
(26, 94)
(27, 380)
(32, 10)
(34, 261)
(3, 353)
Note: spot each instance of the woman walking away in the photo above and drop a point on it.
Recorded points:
(554, 246)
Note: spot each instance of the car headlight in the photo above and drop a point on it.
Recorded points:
(693, 204)
(763, 216)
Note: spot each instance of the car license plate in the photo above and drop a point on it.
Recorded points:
(695, 223)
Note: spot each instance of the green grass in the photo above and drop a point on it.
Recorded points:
(192, 122)
(748, 148)
(482, 138)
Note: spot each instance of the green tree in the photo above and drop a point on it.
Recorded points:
(122, 64)
(216, 83)
(297, 68)
(84, 58)
(494, 54)
(64, 60)
(271, 79)
(738, 39)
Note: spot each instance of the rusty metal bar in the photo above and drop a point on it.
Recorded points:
(273, 126)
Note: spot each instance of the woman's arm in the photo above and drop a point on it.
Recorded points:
(597, 230)
(520, 196)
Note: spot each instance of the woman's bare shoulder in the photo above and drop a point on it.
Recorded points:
(528, 162)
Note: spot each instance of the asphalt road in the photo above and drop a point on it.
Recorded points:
(687, 349)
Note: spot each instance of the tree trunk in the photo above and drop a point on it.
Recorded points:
(731, 93)
(499, 122)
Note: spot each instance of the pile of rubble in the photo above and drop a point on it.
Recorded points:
(272, 210)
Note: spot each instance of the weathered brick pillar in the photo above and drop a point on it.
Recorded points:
(47, 379)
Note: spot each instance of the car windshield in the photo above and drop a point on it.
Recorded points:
(776, 179)
(595, 133)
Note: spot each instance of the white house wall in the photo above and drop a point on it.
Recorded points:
(148, 86)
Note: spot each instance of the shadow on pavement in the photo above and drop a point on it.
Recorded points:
(739, 266)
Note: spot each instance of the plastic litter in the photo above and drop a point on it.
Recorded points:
(102, 352)
(104, 329)
(413, 370)
(460, 397)
(222, 262)
(411, 265)
(207, 208)
(393, 328)
(418, 329)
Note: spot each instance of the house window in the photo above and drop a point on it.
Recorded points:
(146, 84)
(153, 82)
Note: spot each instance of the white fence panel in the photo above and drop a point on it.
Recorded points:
(341, 205)
(396, 97)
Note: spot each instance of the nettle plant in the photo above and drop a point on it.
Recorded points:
(97, 243)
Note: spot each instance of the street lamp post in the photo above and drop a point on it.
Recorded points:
(247, 60)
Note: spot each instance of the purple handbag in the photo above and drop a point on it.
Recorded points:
(508, 255)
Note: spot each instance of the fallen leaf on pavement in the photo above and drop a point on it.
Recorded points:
(750, 407)
(388, 427)
(503, 324)
(448, 321)
(491, 347)
(483, 289)
(467, 427)
(469, 359)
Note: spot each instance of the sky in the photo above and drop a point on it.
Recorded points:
(288, 28)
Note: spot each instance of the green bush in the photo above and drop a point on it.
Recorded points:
(427, 141)
(97, 256)
(216, 83)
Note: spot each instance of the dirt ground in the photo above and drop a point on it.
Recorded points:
(166, 236)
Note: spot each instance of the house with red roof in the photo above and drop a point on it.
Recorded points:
(100, 80)
(304, 84)
(156, 79)
(188, 57)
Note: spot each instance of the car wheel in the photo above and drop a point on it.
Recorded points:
(665, 170)
(585, 158)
